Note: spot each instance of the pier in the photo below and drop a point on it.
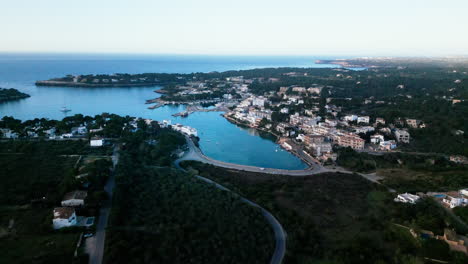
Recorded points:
(192, 109)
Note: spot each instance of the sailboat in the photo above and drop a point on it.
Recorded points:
(65, 110)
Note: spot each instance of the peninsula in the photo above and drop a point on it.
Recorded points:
(112, 80)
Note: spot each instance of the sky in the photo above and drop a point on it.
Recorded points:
(244, 27)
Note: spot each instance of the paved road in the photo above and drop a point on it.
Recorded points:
(95, 244)
(280, 234)
(194, 153)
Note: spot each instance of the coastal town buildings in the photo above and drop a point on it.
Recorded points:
(402, 135)
(350, 140)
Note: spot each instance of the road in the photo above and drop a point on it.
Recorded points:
(95, 245)
(280, 234)
(194, 153)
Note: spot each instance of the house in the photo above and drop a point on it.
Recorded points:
(377, 138)
(96, 142)
(407, 198)
(363, 130)
(379, 120)
(320, 149)
(363, 119)
(189, 131)
(310, 139)
(299, 89)
(350, 118)
(387, 145)
(456, 242)
(455, 199)
(402, 136)
(259, 101)
(64, 217)
(81, 130)
(415, 123)
(459, 159)
(75, 198)
(8, 133)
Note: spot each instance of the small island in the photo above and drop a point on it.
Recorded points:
(11, 94)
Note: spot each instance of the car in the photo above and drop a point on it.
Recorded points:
(88, 235)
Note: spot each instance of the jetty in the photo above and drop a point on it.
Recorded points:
(192, 109)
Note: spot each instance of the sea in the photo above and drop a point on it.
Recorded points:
(219, 139)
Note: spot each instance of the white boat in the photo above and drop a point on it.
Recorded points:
(65, 110)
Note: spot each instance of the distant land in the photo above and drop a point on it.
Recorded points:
(11, 94)
(387, 62)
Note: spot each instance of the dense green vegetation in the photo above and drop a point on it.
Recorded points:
(11, 94)
(34, 177)
(163, 215)
(407, 172)
(341, 218)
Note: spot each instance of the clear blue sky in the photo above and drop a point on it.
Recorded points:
(303, 27)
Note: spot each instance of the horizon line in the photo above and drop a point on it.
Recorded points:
(345, 56)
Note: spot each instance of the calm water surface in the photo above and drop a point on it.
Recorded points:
(219, 139)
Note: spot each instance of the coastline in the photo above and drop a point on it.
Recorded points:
(277, 137)
(94, 85)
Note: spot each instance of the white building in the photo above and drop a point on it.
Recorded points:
(64, 217)
(189, 131)
(387, 145)
(321, 148)
(464, 192)
(363, 119)
(377, 138)
(286, 146)
(364, 129)
(79, 130)
(96, 142)
(258, 101)
(455, 201)
(407, 198)
(75, 198)
(8, 133)
(350, 118)
(402, 136)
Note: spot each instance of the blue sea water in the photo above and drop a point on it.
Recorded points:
(219, 139)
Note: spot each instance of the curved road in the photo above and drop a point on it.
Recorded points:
(194, 153)
(280, 234)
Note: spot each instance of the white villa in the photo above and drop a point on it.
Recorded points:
(407, 198)
(64, 217)
(75, 198)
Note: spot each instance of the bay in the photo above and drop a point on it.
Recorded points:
(219, 139)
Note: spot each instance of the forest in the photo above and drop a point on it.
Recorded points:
(341, 218)
(408, 172)
(34, 177)
(11, 94)
(163, 215)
